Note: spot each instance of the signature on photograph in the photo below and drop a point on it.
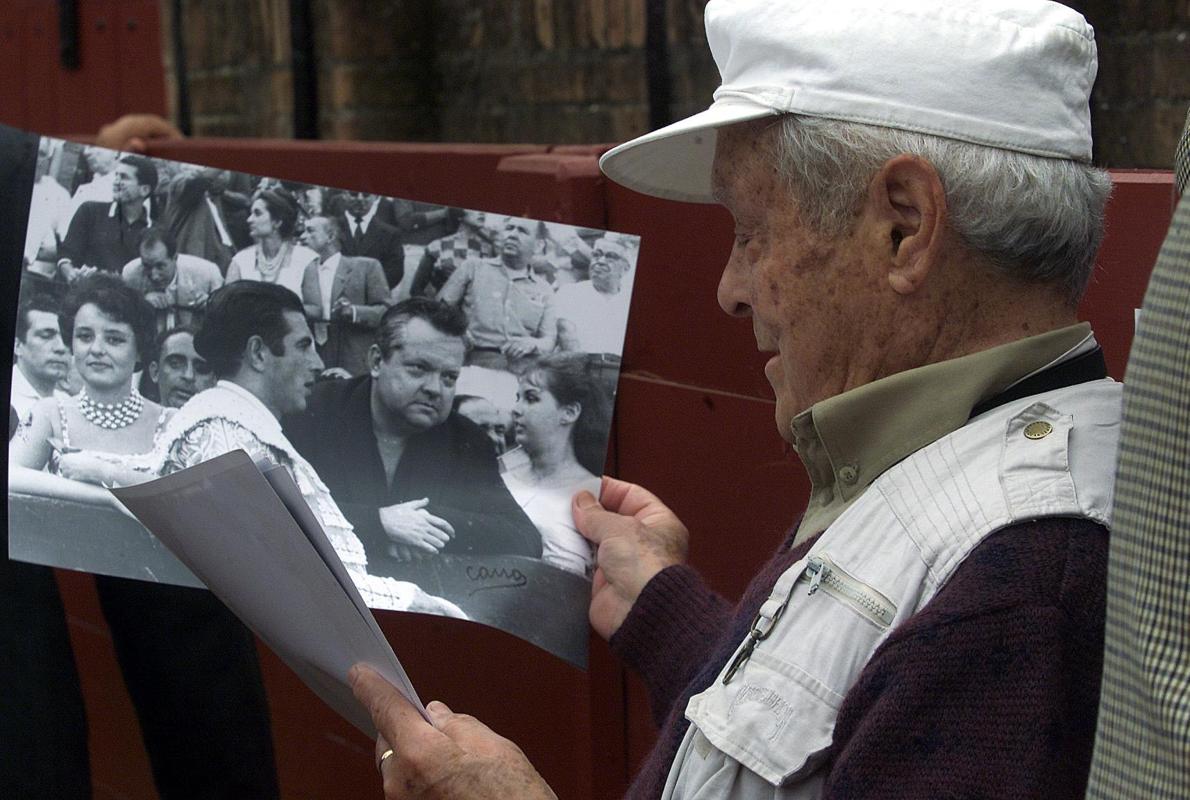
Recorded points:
(496, 578)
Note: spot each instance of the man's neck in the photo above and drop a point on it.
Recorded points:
(326, 254)
(515, 263)
(43, 386)
(257, 386)
(384, 426)
(132, 211)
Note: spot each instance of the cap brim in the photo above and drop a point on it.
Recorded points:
(674, 162)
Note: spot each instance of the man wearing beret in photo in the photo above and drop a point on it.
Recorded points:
(916, 218)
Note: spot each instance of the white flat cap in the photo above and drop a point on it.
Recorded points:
(1014, 74)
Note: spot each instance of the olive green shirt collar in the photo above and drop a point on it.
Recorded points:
(847, 441)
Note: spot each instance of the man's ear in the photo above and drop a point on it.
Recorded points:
(374, 359)
(911, 213)
(154, 371)
(255, 353)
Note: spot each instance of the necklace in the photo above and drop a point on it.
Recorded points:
(270, 268)
(111, 416)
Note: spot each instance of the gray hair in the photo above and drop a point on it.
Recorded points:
(1038, 219)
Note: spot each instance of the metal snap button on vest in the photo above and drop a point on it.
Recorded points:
(848, 473)
(1038, 430)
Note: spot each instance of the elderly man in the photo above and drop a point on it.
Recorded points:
(175, 284)
(413, 478)
(106, 236)
(344, 297)
(914, 228)
(510, 308)
(593, 314)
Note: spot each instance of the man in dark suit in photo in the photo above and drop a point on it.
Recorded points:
(413, 478)
(344, 297)
(370, 237)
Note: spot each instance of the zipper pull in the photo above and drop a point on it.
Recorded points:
(817, 571)
(740, 657)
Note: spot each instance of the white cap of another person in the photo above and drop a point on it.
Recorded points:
(1013, 74)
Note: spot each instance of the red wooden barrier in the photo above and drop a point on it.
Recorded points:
(694, 423)
(120, 64)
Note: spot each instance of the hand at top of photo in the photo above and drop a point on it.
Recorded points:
(637, 536)
(457, 758)
(132, 132)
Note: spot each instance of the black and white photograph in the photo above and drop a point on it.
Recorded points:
(439, 381)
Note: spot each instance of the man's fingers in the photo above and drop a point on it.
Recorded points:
(393, 715)
(381, 748)
(442, 525)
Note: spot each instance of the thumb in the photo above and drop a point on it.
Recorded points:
(439, 712)
(590, 518)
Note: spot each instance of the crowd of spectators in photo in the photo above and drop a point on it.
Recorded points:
(534, 315)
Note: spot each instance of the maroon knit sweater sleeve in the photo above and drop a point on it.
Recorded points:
(669, 633)
(991, 691)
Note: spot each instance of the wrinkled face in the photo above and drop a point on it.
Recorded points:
(489, 419)
(608, 265)
(260, 221)
(517, 239)
(813, 304)
(104, 350)
(537, 418)
(179, 372)
(290, 376)
(359, 203)
(42, 354)
(160, 267)
(415, 385)
(126, 187)
(317, 236)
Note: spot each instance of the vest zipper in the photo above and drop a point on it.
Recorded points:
(867, 602)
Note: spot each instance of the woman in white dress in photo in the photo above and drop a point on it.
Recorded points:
(276, 257)
(104, 435)
(560, 420)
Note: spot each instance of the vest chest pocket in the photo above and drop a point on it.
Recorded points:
(775, 714)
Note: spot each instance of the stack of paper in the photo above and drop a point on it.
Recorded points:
(245, 531)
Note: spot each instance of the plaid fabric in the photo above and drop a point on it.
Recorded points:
(1142, 747)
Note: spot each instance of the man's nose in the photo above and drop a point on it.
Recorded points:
(432, 385)
(315, 361)
(733, 289)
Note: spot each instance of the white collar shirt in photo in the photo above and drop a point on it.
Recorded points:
(326, 281)
(599, 319)
(217, 218)
(365, 220)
